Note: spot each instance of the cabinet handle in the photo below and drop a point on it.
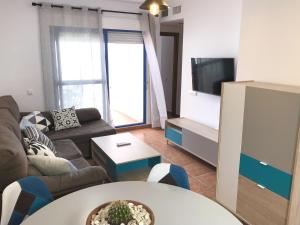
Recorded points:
(263, 163)
(261, 187)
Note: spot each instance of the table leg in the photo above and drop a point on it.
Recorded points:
(112, 171)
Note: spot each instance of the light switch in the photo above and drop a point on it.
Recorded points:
(29, 92)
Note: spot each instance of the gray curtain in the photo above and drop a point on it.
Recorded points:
(73, 25)
(151, 32)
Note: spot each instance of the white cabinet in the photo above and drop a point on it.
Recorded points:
(196, 138)
(258, 164)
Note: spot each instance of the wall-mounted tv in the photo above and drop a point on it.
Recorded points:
(209, 73)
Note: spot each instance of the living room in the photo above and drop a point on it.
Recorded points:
(146, 137)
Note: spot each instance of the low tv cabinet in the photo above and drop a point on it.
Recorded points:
(196, 138)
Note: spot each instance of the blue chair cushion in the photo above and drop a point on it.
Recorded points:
(28, 195)
(169, 174)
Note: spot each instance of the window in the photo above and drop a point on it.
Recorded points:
(125, 58)
(80, 82)
(79, 78)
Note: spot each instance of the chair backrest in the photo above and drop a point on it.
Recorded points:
(169, 174)
(23, 198)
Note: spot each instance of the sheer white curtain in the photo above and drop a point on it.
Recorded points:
(73, 59)
(151, 33)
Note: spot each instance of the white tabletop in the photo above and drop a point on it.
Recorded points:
(137, 150)
(171, 205)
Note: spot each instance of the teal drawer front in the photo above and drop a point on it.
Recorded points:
(271, 178)
(173, 135)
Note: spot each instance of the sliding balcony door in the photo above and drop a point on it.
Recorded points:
(126, 68)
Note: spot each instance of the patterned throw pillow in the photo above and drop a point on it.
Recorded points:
(65, 119)
(34, 147)
(25, 123)
(40, 122)
(33, 133)
(51, 166)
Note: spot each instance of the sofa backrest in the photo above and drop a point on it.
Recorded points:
(8, 102)
(84, 115)
(9, 121)
(13, 161)
(88, 114)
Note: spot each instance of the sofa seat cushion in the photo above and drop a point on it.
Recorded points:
(80, 163)
(83, 178)
(67, 149)
(82, 136)
(86, 131)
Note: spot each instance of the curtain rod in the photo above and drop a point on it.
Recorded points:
(90, 9)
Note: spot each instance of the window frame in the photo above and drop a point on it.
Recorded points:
(59, 83)
(105, 33)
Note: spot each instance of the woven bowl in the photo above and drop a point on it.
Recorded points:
(96, 210)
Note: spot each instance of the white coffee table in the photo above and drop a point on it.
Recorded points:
(171, 205)
(118, 160)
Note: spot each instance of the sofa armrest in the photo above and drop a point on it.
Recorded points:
(83, 178)
(88, 114)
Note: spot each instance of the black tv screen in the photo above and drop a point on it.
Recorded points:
(209, 73)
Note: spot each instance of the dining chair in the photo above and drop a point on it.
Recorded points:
(169, 174)
(22, 198)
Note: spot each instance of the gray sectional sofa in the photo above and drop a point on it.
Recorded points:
(72, 144)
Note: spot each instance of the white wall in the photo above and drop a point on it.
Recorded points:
(19, 54)
(20, 61)
(270, 41)
(211, 29)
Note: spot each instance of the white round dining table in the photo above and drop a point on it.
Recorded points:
(171, 205)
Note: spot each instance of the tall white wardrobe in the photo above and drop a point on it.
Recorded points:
(258, 162)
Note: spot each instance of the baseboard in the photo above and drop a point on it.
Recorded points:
(124, 129)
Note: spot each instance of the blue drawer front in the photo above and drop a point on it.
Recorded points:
(173, 135)
(273, 179)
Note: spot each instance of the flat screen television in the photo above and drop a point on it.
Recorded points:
(209, 73)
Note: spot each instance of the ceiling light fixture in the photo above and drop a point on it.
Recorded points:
(154, 6)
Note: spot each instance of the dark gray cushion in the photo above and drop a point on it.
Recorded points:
(67, 149)
(88, 115)
(86, 131)
(83, 178)
(82, 136)
(80, 163)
